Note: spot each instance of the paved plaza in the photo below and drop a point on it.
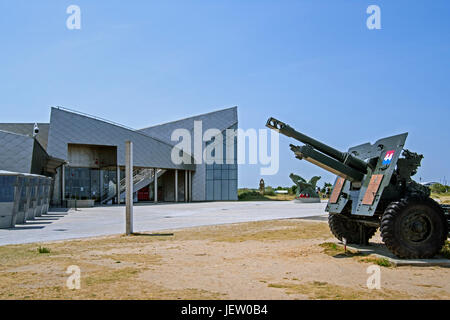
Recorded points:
(62, 224)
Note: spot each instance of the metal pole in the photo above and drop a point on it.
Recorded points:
(155, 181)
(118, 179)
(129, 187)
(190, 186)
(63, 183)
(118, 184)
(176, 185)
(185, 186)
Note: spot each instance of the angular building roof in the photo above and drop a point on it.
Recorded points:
(68, 127)
(27, 129)
(22, 153)
(16, 152)
(221, 120)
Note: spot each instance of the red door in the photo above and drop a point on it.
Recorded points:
(144, 194)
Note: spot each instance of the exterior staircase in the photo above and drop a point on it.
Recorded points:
(141, 178)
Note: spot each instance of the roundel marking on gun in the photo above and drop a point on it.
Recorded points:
(388, 158)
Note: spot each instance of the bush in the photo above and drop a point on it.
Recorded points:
(43, 250)
(446, 250)
(439, 188)
(250, 195)
(269, 192)
(293, 189)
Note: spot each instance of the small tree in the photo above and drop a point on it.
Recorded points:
(269, 191)
(439, 188)
(325, 186)
(293, 189)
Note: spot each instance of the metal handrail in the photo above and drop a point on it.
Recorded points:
(138, 176)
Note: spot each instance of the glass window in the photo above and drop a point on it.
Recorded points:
(7, 185)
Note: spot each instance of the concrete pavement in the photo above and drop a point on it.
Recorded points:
(99, 221)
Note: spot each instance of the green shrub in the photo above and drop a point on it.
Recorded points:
(293, 189)
(439, 188)
(269, 191)
(250, 196)
(445, 252)
(43, 250)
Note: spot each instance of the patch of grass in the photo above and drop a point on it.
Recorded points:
(445, 252)
(251, 196)
(382, 262)
(269, 195)
(336, 250)
(133, 257)
(258, 231)
(107, 276)
(444, 198)
(326, 291)
(282, 197)
(43, 250)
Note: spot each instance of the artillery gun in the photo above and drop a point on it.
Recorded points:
(374, 189)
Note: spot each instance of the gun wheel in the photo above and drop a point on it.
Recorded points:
(414, 228)
(343, 228)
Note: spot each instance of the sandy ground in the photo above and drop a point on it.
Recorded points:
(282, 259)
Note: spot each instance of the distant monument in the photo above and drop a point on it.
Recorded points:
(262, 186)
(306, 191)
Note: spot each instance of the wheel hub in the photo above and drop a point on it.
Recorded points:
(416, 227)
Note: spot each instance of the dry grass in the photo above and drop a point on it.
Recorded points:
(111, 265)
(338, 251)
(445, 252)
(443, 197)
(325, 291)
(382, 262)
(257, 231)
(335, 250)
(108, 271)
(282, 197)
(235, 261)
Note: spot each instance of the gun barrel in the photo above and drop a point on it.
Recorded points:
(342, 157)
(285, 129)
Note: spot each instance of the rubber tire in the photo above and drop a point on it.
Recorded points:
(345, 228)
(402, 248)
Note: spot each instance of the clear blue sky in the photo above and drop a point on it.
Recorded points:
(312, 64)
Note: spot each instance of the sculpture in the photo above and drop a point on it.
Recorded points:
(306, 191)
(262, 186)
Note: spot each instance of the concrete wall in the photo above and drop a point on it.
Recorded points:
(6, 213)
(88, 156)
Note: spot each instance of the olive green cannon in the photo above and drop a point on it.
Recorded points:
(374, 189)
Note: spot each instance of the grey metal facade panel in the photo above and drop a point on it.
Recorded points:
(39, 159)
(16, 152)
(67, 127)
(221, 120)
(27, 129)
(199, 183)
